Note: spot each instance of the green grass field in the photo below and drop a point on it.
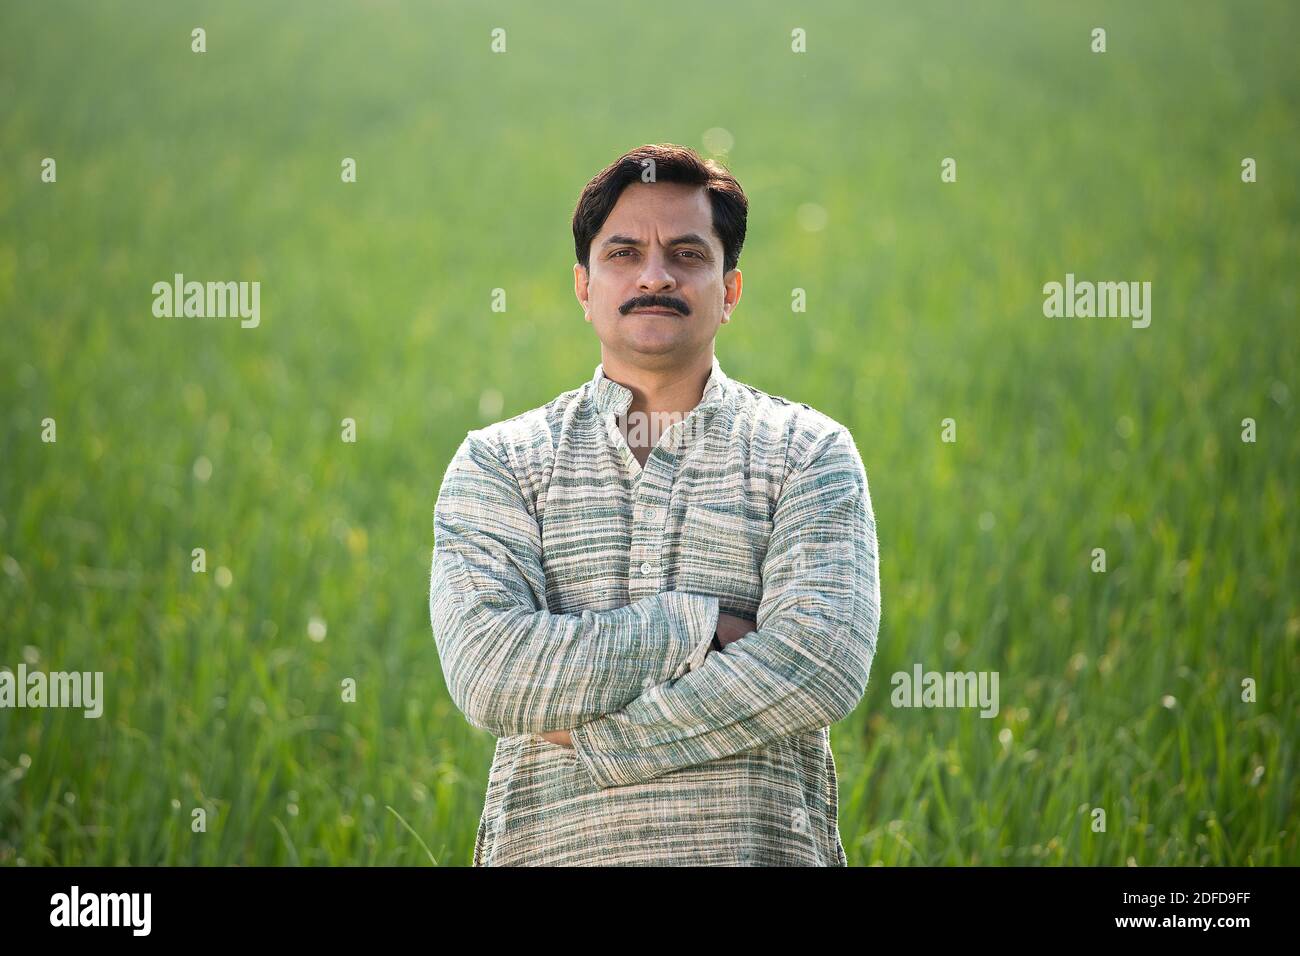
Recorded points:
(1120, 691)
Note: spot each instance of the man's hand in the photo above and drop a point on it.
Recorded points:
(732, 628)
(560, 737)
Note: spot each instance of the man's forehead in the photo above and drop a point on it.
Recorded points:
(669, 209)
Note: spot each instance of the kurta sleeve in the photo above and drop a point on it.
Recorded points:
(511, 666)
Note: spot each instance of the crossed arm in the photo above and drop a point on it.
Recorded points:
(730, 628)
(636, 689)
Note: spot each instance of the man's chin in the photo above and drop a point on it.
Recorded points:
(656, 348)
(651, 340)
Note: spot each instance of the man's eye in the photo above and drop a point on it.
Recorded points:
(619, 252)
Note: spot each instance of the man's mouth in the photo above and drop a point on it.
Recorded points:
(655, 311)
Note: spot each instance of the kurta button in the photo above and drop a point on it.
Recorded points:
(646, 568)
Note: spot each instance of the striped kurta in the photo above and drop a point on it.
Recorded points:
(573, 589)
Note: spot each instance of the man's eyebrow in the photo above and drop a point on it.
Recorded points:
(690, 239)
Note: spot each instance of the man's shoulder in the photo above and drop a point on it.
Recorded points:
(527, 431)
(804, 429)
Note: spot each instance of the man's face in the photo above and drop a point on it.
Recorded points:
(655, 290)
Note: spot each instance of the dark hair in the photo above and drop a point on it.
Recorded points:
(673, 164)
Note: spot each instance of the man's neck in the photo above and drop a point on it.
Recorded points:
(675, 390)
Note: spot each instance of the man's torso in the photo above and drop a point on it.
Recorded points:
(697, 517)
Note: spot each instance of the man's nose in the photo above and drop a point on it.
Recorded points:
(656, 276)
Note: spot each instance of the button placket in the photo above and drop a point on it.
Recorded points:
(648, 514)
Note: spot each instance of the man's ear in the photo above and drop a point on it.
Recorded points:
(580, 277)
(730, 293)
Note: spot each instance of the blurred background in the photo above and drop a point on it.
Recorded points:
(1119, 690)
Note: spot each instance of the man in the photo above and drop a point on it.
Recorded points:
(659, 626)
